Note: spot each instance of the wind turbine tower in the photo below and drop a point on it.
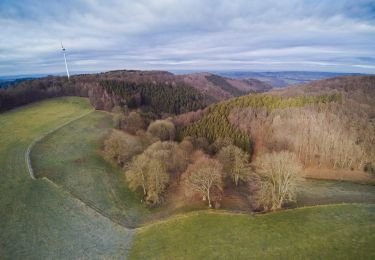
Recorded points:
(66, 64)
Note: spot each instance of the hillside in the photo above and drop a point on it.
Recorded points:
(214, 87)
(211, 87)
(218, 88)
(358, 92)
(327, 123)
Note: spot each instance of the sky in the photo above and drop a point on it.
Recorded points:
(198, 35)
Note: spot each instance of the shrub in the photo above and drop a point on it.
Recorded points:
(370, 168)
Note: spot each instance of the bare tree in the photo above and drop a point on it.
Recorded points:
(203, 176)
(137, 172)
(133, 122)
(157, 181)
(318, 137)
(278, 175)
(150, 175)
(120, 147)
(170, 154)
(235, 163)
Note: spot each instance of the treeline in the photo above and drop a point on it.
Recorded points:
(156, 97)
(215, 123)
(38, 89)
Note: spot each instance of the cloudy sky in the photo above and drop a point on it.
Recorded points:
(175, 35)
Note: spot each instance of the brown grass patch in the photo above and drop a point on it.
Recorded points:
(340, 175)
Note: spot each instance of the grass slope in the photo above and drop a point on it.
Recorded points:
(324, 232)
(71, 158)
(39, 221)
(317, 192)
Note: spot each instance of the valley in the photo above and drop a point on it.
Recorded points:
(89, 200)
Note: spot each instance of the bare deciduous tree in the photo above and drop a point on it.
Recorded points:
(278, 175)
(120, 147)
(203, 176)
(150, 174)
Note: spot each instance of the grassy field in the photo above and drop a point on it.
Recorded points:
(323, 232)
(39, 221)
(71, 158)
(317, 192)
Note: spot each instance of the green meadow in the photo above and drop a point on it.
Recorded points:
(38, 221)
(70, 157)
(322, 232)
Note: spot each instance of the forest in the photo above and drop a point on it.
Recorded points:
(157, 97)
(159, 91)
(245, 143)
(215, 124)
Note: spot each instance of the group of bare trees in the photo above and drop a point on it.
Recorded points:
(318, 137)
(151, 165)
(153, 161)
(328, 135)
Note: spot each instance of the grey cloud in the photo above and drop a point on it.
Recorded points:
(204, 35)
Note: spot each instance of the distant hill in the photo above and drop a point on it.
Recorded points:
(213, 88)
(219, 88)
(282, 79)
(209, 88)
(4, 83)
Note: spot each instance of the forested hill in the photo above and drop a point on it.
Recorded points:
(359, 91)
(204, 88)
(329, 122)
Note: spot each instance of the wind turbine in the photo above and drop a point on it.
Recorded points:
(66, 64)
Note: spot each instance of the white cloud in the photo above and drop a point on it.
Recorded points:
(207, 35)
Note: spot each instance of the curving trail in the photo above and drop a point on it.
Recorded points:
(38, 139)
(38, 221)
